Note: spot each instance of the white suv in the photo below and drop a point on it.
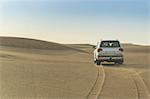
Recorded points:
(108, 50)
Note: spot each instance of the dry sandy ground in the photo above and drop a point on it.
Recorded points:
(33, 69)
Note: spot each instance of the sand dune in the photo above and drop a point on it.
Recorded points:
(136, 48)
(31, 43)
(38, 69)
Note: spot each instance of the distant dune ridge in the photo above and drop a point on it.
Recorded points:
(45, 45)
(136, 48)
(18, 42)
(30, 43)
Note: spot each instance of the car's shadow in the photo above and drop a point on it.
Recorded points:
(111, 64)
(126, 65)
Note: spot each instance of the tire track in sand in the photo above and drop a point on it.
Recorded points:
(119, 84)
(142, 90)
(98, 85)
(138, 87)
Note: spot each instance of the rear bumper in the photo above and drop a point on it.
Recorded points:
(110, 59)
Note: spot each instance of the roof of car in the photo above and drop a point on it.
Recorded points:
(109, 40)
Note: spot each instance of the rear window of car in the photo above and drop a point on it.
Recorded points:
(110, 44)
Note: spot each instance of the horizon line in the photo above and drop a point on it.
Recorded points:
(32, 38)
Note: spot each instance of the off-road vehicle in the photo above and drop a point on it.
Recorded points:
(108, 50)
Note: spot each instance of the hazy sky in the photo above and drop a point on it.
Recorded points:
(76, 21)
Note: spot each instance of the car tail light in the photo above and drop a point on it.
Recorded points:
(121, 49)
(99, 49)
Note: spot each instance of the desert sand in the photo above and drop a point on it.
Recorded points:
(34, 69)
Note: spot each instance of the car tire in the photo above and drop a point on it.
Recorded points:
(120, 62)
(98, 62)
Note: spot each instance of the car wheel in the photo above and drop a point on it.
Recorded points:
(115, 62)
(120, 62)
(98, 62)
